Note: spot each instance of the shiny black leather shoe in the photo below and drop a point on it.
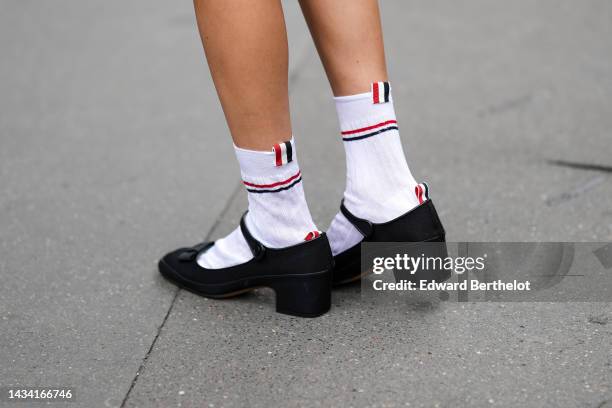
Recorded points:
(421, 224)
(300, 275)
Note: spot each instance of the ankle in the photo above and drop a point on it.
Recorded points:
(278, 214)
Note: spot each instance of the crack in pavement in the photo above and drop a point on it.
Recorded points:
(211, 231)
(583, 187)
(506, 105)
(581, 166)
(576, 192)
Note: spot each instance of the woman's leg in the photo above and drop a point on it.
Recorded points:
(379, 184)
(349, 40)
(246, 48)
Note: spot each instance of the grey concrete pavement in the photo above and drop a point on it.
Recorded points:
(114, 149)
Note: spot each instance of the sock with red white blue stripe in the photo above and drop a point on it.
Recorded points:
(278, 214)
(379, 184)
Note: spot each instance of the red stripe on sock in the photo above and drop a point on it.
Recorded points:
(277, 152)
(418, 190)
(350, 132)
(280, 183)
(312, 235)
(375, 92)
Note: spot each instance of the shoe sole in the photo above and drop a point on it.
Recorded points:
(304, 295)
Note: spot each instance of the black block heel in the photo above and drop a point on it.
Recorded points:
(300, 275)
(304, 296)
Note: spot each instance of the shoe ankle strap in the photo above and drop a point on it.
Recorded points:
(365, 227)
(257, 248)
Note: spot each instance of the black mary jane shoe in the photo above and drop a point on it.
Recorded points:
(300, 275)
(421, 224)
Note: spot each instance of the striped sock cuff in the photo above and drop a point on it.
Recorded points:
(366, 115)
(283, 184)
(374, 128)
(270, 171)
(257, 163)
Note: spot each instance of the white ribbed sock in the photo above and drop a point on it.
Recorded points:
(278, 214)
(379, 184)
